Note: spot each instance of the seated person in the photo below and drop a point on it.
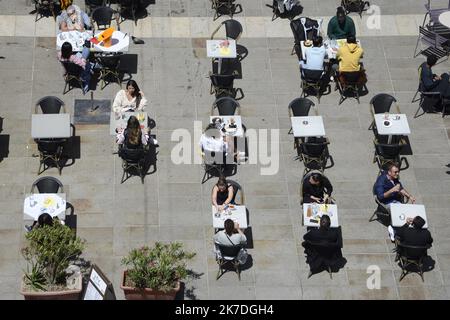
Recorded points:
(316, 188)
(413, 234)
(67, 55)
(432, 82)
(231, 235)
(315, 56)
(222, 194)
(349, 56)
(129, 99)
(324, 233)
(212, 140)
(388, 188)
(341, 26)
(133, 137)
(73, 19)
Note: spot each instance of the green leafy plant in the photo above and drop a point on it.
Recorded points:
(158, 268)
(49, 251)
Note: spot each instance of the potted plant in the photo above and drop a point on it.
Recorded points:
(155, 273)
(49, 252)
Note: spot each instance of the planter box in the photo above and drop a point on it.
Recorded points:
(53, 295)
(147, 294)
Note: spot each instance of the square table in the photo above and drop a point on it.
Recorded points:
(226, 120)
(400, 212)
(221, 49)
(118, 121)
(311, 126)
(398, 125)
(310, 217)
(237, 214)
(331, 47)
(120, 41)
(50, 125)
(52, 203)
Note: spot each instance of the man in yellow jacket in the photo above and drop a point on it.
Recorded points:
(349, 55)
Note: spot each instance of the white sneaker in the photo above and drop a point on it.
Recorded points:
(391, 233)
(155, 142)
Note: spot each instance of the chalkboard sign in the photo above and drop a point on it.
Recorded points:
(98, 287)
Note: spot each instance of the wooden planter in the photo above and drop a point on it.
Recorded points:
(53, 295)
(147, 294)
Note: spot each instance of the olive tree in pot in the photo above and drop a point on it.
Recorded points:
(49, 252)
(155, 273)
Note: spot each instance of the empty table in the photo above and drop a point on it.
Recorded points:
(36, 204)
(400, 212)
(234, 212)
(221, 49)
(304, 127)
(444, 19)
(225, 124)
(312, 213)
(50, 125)
(118, 121)
(392, 124)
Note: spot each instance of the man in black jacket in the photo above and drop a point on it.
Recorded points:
(413, 234)
(316, 188)
(324, 233)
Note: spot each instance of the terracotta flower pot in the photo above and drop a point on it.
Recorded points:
(132, 293)
(68, 294)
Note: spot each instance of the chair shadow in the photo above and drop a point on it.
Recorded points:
(4, 146)
(185, 292)
(71, 151)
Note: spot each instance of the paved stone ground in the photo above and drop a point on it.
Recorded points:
(172, 205)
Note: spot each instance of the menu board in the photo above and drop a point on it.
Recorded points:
(98, 287)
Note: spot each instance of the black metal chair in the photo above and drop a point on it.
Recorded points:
(315, 155)
(227, 255)
(213, 164)
(431, 43)
(103, 16)
(304, 28)
(350, 84)
(47, 185)
(50, 153)
(226, 106)
(323, 255)
(50, 104)
(433, 14)
(389, 153)
(91, 5)
(225, 7)
(312, 81)
(237, 189)
(72, 76)
(358, 6)
(429, 99)
(299, 107)
(110, 71)
(411, 256)
(46, 8)
(381, 103)
(222, 85)
(286, 14)
(131, 9)
(233, 29)
(133, 162)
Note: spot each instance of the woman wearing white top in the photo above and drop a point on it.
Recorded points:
(131, 99)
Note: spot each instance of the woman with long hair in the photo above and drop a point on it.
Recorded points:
(67, 55)
(129, 99)
(222, 194)
(133, 137)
